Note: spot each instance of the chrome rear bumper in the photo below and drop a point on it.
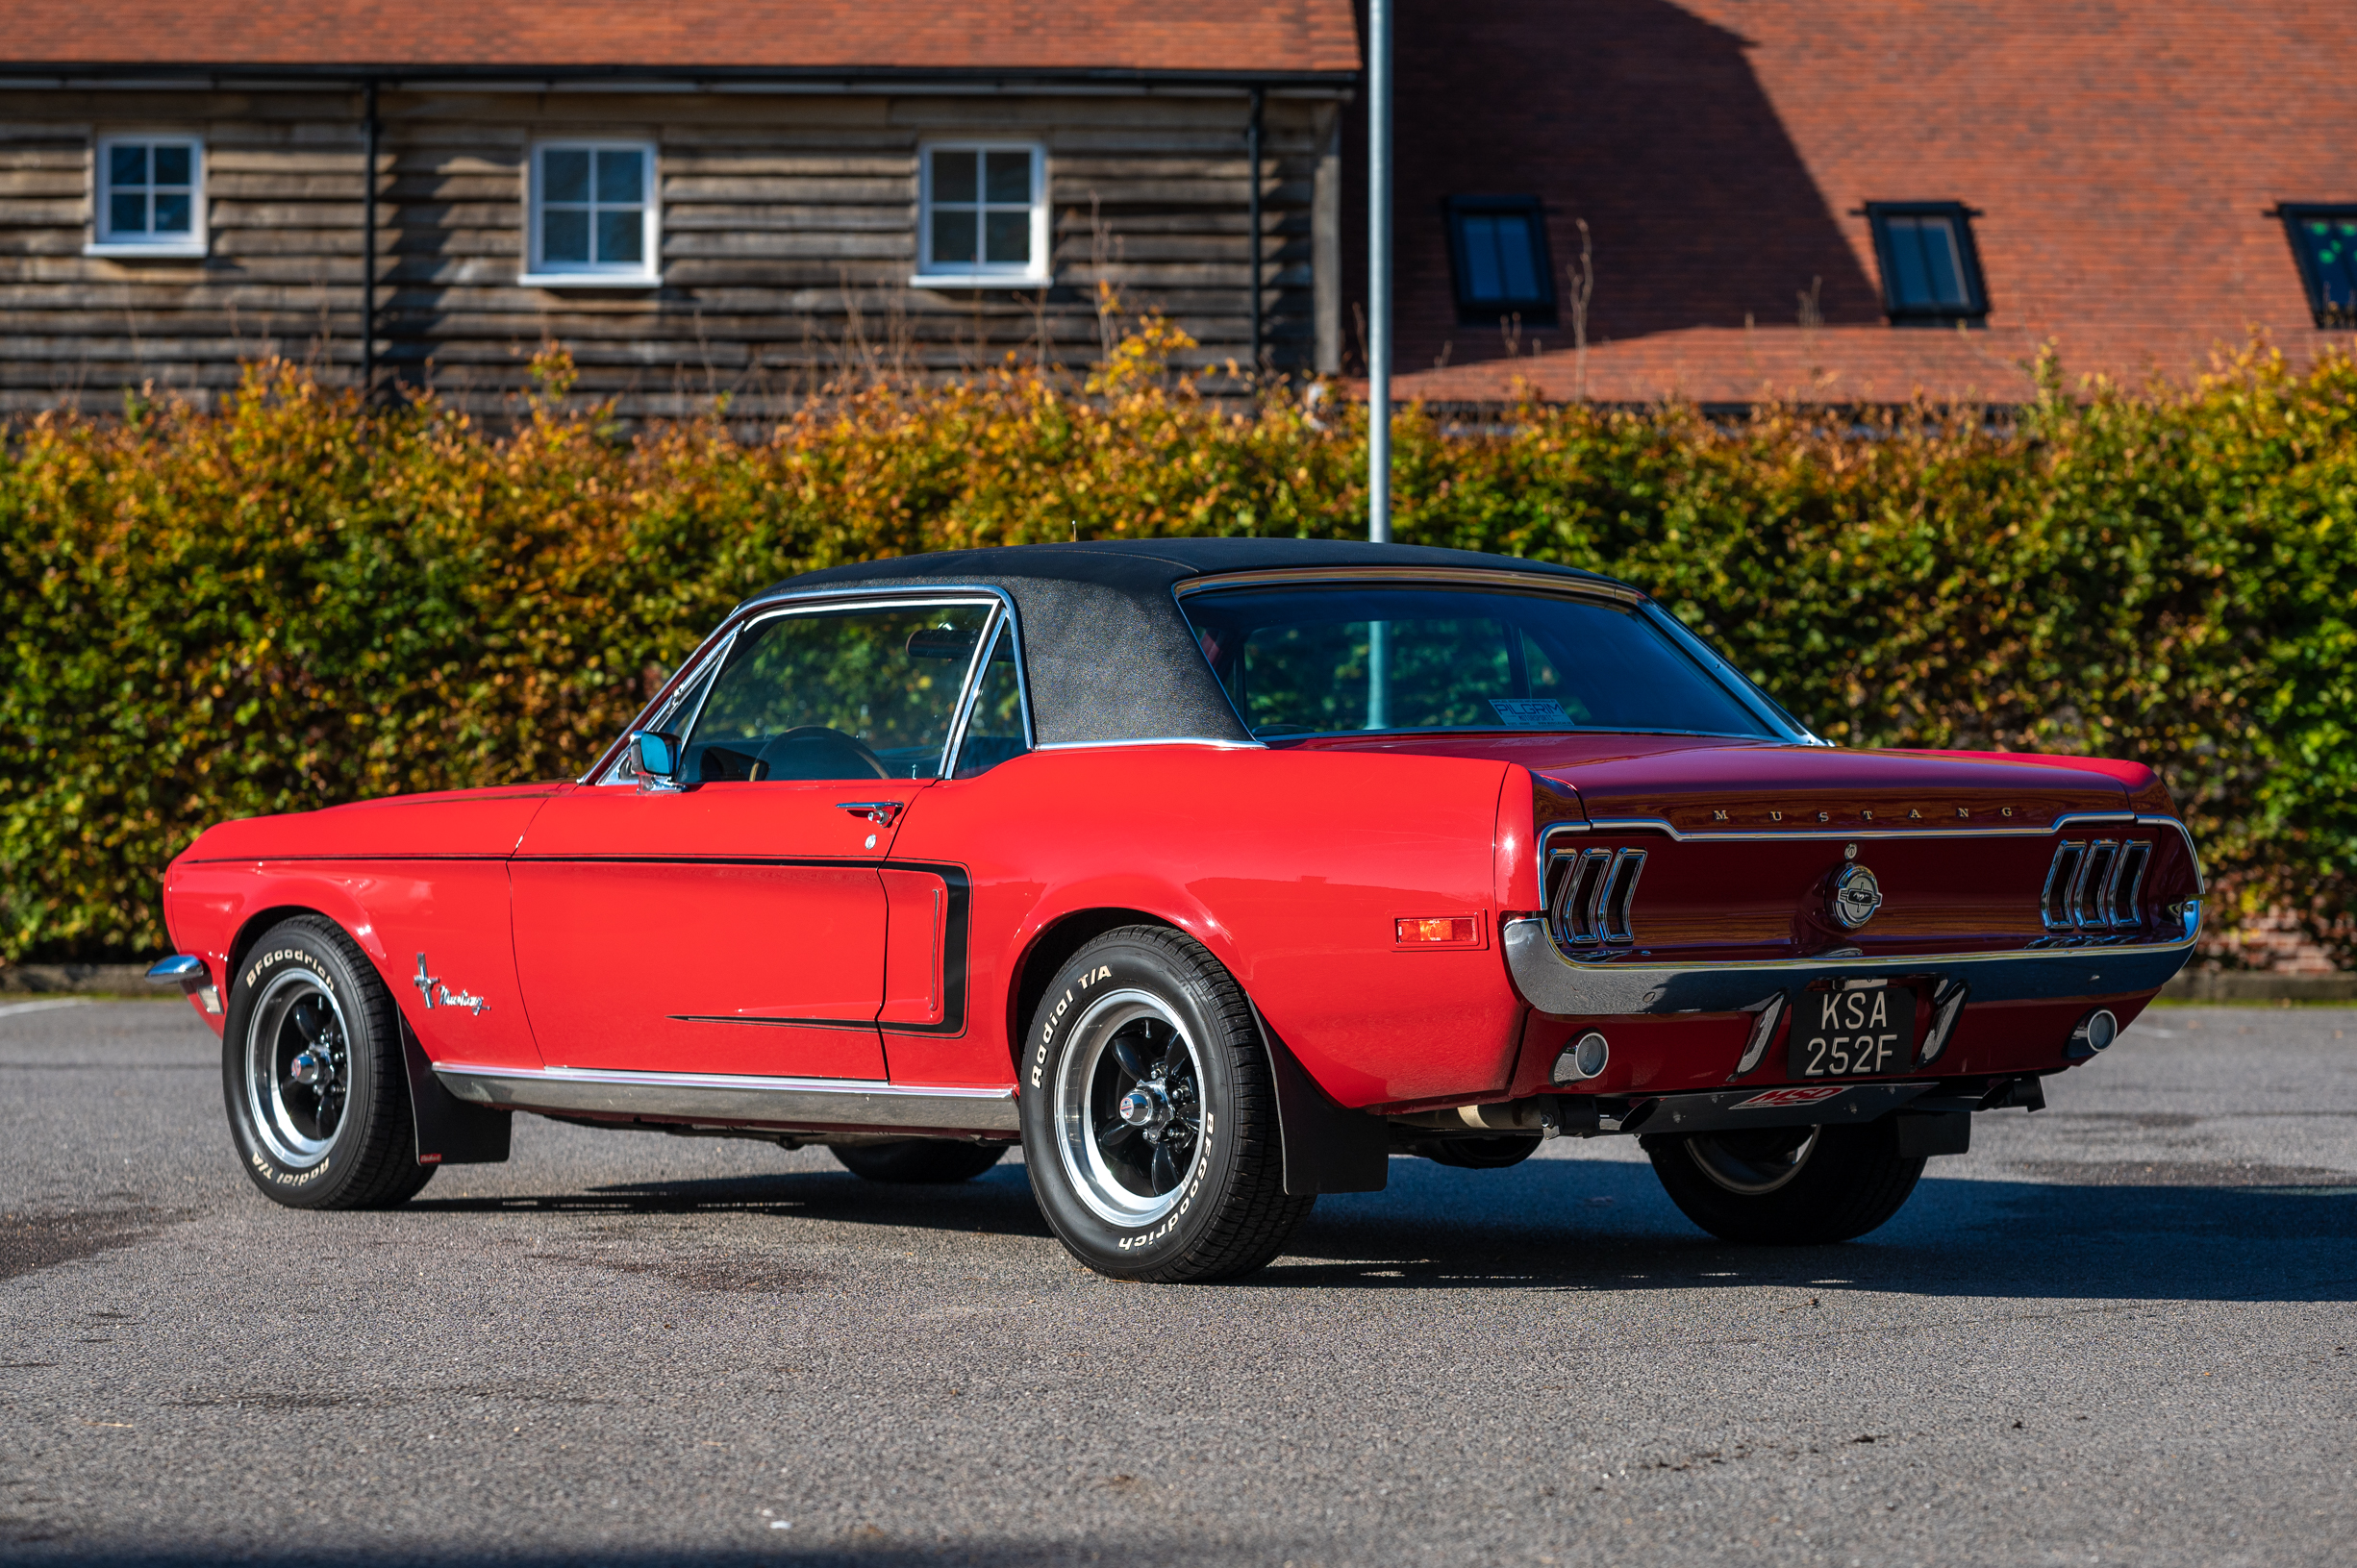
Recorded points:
(1555, 982)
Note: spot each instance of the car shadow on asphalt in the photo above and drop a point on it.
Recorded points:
(1581, 1225)
(998, 1203)
(2148, 1232)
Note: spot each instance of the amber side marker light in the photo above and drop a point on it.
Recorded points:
(1450, 929)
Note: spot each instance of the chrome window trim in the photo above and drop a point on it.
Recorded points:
(728, 1097)
(1592, 587)
(1005, 617)
(1152, 740)
(1747, 695)
(770, 605)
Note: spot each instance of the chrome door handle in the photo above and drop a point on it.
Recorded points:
(881, 813)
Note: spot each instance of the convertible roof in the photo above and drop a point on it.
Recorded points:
(1107, 656)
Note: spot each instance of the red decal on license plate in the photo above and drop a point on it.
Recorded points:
(1789, 1097)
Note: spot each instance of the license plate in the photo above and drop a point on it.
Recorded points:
(1857, 1034)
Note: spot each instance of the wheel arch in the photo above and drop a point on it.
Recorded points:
(1048, 950)
(251, 929)
(1325, 1147)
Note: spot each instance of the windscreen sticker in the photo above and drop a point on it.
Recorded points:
(1531, 712)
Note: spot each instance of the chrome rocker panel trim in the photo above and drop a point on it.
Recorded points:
(718, 1097)
(1555, 984)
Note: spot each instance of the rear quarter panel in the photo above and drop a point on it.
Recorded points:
(1291, 866)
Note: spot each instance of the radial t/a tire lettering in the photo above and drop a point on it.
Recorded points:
(1149, 1114)
(1787, 1186)
(312, 1073)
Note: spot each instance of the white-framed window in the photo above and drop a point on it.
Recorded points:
(594, 216)
(981, 215)
(148, 196)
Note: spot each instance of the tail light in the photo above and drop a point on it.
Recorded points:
(1595, 895)
(2096, 885)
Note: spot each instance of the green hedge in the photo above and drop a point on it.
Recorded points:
(286, 603)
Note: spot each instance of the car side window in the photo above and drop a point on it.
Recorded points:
(866, 693)
(994, 731)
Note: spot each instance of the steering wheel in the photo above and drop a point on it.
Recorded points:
(812, 751)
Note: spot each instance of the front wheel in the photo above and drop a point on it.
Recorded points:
(312, 1073)
(1787, 1186)
(1149, 1114)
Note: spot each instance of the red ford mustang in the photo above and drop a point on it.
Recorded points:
(1215, 873)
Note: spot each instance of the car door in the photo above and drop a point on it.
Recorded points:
(733, 919)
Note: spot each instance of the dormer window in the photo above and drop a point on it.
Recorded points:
(1498, 249)
(2325, 242)
(1930, 271)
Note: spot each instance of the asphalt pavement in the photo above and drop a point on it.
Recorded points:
(2119, 1331)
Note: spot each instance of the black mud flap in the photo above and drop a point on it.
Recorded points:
(1327, 1147)
(450, 1131)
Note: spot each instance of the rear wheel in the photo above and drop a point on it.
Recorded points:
(312, 1074)
(918, 1160)
(1789, 1186)
(1149, 1114)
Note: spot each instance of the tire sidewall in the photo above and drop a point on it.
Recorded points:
(1112, 1249)
(1822, 1205)
(299, 945)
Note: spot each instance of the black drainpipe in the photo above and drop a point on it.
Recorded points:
(1252, 152)
(367, 252)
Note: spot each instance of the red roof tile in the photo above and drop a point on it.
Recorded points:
(1274, 37)
(2122, 157)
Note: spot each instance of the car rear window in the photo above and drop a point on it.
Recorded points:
(1307, 660)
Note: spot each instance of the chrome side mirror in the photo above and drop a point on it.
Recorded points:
(657, 756)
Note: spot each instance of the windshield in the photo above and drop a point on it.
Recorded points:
(1305, 661)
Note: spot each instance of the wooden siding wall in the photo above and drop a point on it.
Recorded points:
(788, 237)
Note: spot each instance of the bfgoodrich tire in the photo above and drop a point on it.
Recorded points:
(311, 1070)
(1787, 1186)
(1149, 1114)
(918, 1160)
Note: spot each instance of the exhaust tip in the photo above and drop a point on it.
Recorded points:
(1584, 1057)
(2095, 1033)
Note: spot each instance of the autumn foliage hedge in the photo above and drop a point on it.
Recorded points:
(288, 602)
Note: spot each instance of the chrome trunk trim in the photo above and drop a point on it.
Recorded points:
(718, 1097)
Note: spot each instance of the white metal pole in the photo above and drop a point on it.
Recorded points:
(1379, 271)
(1378, 335)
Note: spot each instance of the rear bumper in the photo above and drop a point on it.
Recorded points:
(1553, 983)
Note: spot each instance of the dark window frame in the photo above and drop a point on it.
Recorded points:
(2327, 318)
(1538, 311)
(1967, 258)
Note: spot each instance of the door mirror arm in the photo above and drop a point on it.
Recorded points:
(657, 756)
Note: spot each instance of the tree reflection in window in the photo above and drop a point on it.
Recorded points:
(842, 694)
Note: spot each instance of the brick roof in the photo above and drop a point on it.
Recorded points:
(1272, 36)
(2124, 157)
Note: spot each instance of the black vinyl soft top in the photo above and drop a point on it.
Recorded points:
(1107, 656)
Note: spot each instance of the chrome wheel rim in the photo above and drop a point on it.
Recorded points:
(1129, 1109)
(298, 1069)
(1751, 1165)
